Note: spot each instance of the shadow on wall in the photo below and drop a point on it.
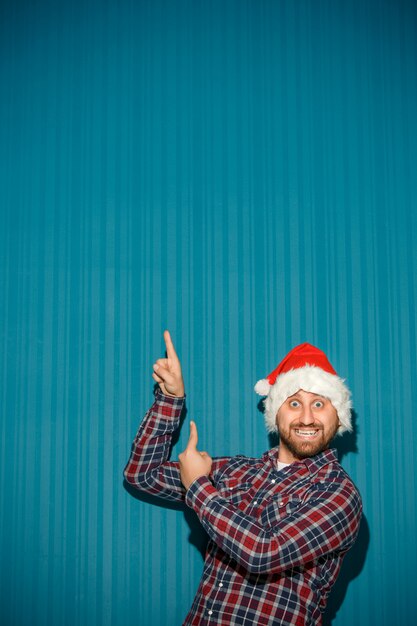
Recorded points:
(351, 568)
(355, 558)
(197, 537)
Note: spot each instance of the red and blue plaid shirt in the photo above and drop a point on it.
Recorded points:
(277, 538)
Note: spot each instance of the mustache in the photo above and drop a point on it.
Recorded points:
(312, 425)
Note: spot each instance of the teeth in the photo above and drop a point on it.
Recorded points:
(306, 433)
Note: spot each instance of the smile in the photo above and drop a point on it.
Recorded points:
(307, 434)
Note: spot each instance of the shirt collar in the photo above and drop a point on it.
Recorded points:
(313, 463)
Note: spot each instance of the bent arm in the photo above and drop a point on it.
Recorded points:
(148, 468)
(328, 521)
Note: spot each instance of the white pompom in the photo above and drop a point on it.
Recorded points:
(262, 387)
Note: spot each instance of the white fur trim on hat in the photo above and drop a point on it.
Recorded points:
(308, 378)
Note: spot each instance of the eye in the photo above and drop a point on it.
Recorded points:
(318, 404)
(294, 404)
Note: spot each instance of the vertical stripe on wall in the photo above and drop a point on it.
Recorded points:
(243, 173)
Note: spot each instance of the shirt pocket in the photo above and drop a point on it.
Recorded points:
(234, 490)
(278, 508)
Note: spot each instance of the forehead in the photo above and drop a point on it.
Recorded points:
(306, 395)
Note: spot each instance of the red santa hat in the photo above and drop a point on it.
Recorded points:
(308, 368)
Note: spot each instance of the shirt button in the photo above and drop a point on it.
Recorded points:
(220, 584)
(281, 503)
(273, 480)
(255, 501)
(210, 612)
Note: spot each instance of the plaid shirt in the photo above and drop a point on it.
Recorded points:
(277, 538)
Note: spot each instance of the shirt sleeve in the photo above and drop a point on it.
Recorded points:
(327, 521)
(148, 468)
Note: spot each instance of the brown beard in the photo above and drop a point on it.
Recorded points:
(304, 450)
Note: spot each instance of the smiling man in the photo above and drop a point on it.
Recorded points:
(279, 526)
(306, 423)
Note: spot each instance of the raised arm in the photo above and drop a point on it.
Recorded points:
(148, 468)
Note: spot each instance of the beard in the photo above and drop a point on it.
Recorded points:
(305, 449)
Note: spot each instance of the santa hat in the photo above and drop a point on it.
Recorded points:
(308, 368)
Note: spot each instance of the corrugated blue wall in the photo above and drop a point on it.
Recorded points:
(244, 173)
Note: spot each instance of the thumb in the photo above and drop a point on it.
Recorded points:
(193, 440)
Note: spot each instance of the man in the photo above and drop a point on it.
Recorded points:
(279, 526)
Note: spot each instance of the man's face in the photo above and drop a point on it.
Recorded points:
(306, 424)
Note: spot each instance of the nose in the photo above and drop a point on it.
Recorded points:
(306, 416)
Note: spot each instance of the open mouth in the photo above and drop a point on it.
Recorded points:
(306, 433)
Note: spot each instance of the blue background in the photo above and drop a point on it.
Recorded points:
(244, 173)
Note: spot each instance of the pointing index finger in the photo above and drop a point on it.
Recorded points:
(193, 439)
(170, 346)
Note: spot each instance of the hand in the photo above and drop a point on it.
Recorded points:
(167, 372)
(193, 463)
